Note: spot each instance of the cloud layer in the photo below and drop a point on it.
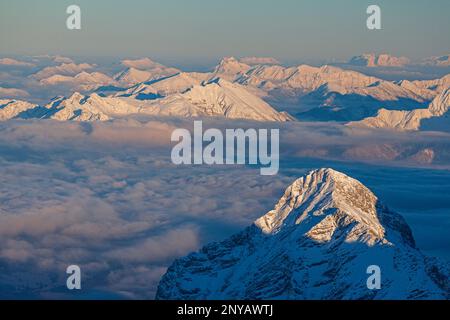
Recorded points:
(106, 196)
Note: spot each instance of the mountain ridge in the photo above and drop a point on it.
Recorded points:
(316, 244)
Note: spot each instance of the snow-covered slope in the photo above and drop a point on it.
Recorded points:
(230, 68)
(382, 60)
(317, 243)
(330, 93)
(220, 98)
(164, 87)
(12, 93)
(407, 120)
(83, 81)
(89, 108)
(305, 79)
(131, 76)
(10, 109)
(142, 70)
(259, 60)
(420, 88)
(77, 107)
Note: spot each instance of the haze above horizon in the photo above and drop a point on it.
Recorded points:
(201, 31)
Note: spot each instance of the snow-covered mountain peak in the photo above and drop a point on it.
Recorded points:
(324, 202)
(75, 97)
(143, 70)
(230, 68)
(131, 75)
(317, 243)
(222, 98)
(142, 64)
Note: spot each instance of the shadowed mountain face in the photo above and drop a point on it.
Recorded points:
(411, 120)
(317, 243)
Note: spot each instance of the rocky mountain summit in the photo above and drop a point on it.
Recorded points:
(317, 243)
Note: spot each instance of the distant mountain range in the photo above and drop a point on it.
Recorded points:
(218, 98)
(382, 60)
(329, 93)
(317, 243)
(387, 60)
(326, 93)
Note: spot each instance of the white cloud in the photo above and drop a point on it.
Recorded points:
(13, 93)
(15, 63)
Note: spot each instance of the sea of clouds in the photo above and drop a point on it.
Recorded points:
(106, 197)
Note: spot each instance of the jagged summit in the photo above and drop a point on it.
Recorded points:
(324, 201)
(132, 75)
(220, 97)
(317, 243)
(230, 68)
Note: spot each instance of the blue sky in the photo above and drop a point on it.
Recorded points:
(201, 30)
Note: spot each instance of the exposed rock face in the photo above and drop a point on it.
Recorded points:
(316, 244)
